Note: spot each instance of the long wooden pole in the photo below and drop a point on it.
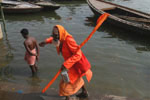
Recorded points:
(3, 18)
(1, 33)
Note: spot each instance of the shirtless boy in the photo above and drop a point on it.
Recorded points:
(32, 50)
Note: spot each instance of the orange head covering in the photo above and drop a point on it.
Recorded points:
(62, 35)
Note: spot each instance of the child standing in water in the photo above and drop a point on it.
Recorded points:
(32, 50)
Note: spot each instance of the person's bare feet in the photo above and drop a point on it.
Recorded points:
(67, 98)
(82, 95)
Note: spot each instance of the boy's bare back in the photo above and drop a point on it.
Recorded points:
(30, 42)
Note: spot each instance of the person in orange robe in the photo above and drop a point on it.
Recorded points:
(74, 61)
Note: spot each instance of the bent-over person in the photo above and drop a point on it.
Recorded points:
(75, 62)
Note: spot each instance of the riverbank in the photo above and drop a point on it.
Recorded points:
(13, 91)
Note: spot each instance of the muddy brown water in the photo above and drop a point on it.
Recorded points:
(120, 60)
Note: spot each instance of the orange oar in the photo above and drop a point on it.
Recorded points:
(51, 82)
(100, 20)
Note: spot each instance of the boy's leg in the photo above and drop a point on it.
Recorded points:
(33, 69)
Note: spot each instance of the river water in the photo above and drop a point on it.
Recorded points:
(120, 60)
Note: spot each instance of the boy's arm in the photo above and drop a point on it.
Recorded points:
(37, 48)
(28, 49)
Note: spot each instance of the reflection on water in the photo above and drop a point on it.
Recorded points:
(5, 54)
(137, 65)
(34, 81)
(5, 58)
(33, 17)
(141, 42)
(6, 73)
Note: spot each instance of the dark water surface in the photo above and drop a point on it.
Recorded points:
(120, 61)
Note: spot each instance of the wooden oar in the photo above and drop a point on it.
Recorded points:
(100, 20)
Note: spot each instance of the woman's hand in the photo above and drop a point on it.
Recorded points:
(62, 67)
(42, 44)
